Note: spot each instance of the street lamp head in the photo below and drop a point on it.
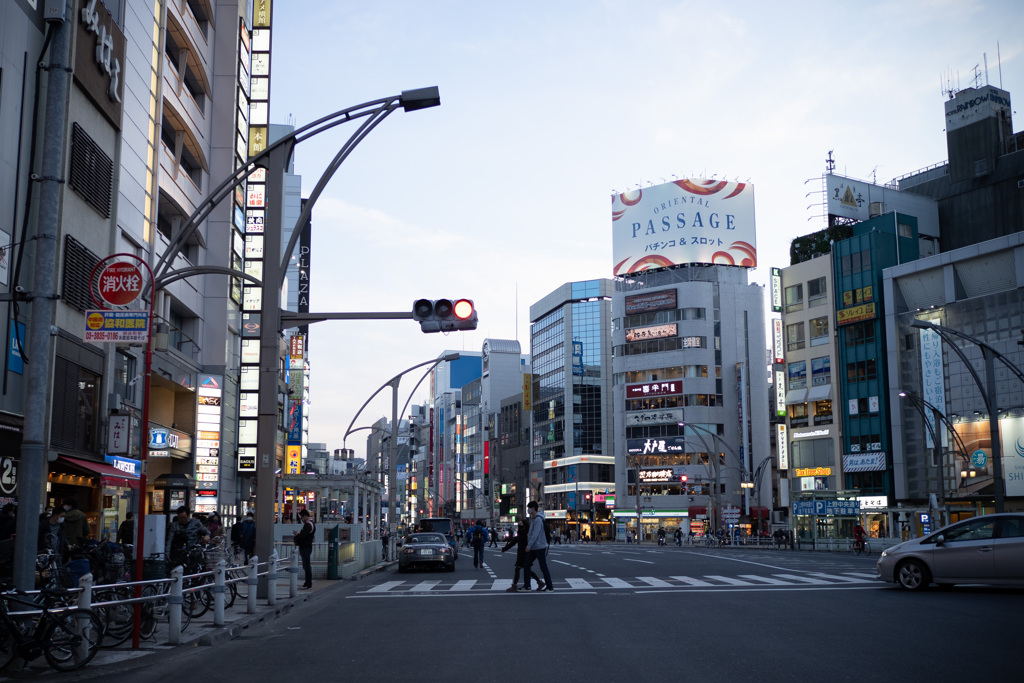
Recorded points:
(421, 98)
(451, 357)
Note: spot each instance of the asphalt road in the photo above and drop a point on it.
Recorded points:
(627, 613)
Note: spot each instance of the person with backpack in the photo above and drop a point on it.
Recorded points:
(478, 535)
(304, 542)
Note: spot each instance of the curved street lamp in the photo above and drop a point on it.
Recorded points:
(393, 457)
(987, 391)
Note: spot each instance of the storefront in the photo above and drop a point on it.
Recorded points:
(103, 492)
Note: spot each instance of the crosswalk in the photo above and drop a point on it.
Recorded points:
(806, 580)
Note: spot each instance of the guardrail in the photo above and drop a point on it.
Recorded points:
(177, 589)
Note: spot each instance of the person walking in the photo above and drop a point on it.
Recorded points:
(478, 535)
(247, 534)
(304, 542)
(537, 548)
(126, 532)
(8, 521)
(52, 535)
(519, 540)
(76, 526)
(494, 538)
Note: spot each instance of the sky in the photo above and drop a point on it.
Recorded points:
(502, 193)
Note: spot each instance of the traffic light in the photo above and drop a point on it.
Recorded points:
(444, 315)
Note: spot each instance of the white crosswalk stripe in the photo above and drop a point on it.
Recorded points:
(765, 579)
(637, 583)
(729, 580)
(691, 582)
(803, 579)
(657, 583)
(617, 583)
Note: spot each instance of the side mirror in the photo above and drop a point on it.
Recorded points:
(940, 540)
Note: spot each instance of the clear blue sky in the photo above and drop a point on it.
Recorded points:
(502, 193)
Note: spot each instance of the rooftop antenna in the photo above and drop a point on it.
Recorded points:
(999, 62)
(976, 81)
(830, 163)
(873, 175)
(948, 89)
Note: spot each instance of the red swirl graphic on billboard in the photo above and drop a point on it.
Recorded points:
(745, 250)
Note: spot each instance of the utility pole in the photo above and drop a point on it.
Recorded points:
(38, 377)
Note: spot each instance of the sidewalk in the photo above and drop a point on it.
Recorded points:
(200, 632)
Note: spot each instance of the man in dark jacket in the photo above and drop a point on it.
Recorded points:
(519, 540)
(126, 532)
(304, 542)
(76, 526)
(478, 535)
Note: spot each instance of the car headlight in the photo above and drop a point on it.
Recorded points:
(885, 553)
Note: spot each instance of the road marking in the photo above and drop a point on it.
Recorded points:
(765, 579)
(729, 580)
(691, 582)
(805, 579)
(657, 583)
(618, 583)
(630, 559)
(862, 575)
(838, 577)
(501, 584)
(385, 587)
(423, 586)
(463, 585)
(578, 584)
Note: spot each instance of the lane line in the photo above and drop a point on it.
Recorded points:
(617, 583)
(728, 579)
(765, 579)
(423, 586)
(463, 585)
(804, 579)
(630, 559)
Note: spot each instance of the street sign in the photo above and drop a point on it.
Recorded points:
(120, 283)
(117, 326)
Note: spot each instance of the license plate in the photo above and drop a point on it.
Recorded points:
(427, 552)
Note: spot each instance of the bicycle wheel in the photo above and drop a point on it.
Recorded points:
(194, 603)
(857, 550)
(148, 614)
(6, 646)
(241, 588)
(72, 639)
(118, 619)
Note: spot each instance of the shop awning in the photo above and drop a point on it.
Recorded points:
(109, 476)
(795, 396)
(761, 512)
(697, 510)
(819, 393)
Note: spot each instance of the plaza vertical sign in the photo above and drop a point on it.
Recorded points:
(208, 415)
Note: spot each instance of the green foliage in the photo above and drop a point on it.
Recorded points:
(817, 243)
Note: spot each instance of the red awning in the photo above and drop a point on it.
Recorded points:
(109, 476)
(694, 511)
(761, 512)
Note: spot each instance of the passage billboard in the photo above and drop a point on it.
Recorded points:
(685, 221)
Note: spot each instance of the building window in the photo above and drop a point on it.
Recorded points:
(75, 411)
(817, 294)
(794, 298)
(798, 416)
(821, 371)
(860, 333)
(861, 371)
(823, 412)
(124, 375)
(819, 331)
(794, 337)
(798, 375)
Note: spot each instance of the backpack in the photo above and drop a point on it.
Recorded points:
(478, 535)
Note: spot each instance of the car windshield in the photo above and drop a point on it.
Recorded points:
(427, 538)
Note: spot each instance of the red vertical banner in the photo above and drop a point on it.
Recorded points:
(487, 457)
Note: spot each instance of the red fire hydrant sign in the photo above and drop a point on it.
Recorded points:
(120, 284)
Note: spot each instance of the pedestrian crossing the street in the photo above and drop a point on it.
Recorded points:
(805, 581)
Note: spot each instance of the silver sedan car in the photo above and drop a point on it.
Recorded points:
(987, 550)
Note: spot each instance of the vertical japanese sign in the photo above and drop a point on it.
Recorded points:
(933, 384)
(208, 417)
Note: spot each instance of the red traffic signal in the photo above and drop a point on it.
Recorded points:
(682, 478)
(444, 315)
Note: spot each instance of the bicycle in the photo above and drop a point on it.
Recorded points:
(861, 547)
(68, 638)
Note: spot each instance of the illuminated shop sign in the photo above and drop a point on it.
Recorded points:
(654, 389)
(652, 301)
(653, 332)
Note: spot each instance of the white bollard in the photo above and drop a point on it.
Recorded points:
(293, 580)
(84, 602)
(219, 592)
(174, 605)
(251, 581)
(272, 579)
